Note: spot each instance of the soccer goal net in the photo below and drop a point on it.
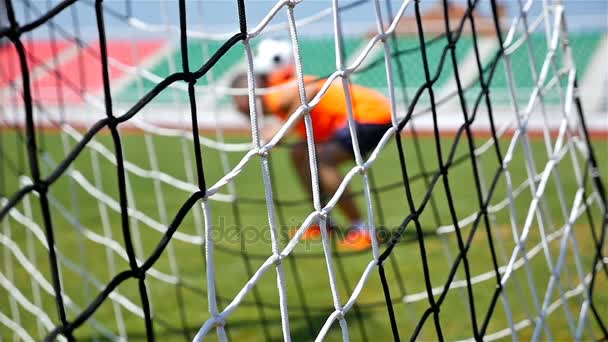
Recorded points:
(136, 203)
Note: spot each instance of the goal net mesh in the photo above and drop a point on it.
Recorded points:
(136, 211)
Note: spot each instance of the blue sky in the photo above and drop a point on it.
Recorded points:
(221, 15)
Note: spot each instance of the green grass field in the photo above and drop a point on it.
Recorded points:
(242, 243)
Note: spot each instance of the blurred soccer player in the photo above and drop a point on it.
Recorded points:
(332, 138)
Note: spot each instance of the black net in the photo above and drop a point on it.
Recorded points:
(103, 236)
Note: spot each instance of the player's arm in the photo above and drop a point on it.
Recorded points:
(290, 102)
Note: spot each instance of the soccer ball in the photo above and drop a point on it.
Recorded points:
(272, 55)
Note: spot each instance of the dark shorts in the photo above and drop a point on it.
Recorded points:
(368, 136)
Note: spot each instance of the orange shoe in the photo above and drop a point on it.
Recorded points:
(356, 240)
(312, 233)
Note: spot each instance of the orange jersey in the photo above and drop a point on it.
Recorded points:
(331, 113)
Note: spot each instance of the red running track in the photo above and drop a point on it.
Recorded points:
(37, 53)
(81, 73)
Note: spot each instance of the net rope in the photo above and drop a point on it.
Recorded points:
(572, 137)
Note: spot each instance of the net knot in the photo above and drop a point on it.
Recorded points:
(139, 273)
(263, 151)
(112, 123)
(279, 258)
(41, 186)
(292, 3)
(12, 33)
(305, 108)
(483, 210)
(339, 314)
(190, 78)
(345, 73)
(218, 321)
(323, 213)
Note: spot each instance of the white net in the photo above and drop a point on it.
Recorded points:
(483, 200)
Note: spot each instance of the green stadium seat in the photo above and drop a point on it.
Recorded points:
(198, 53)
(318, 54)
(318, 58)
(314, 52)
(411, 61)
(583, 46)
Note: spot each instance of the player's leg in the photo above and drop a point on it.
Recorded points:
(368, 136)
(299, 158)
(329, 156)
